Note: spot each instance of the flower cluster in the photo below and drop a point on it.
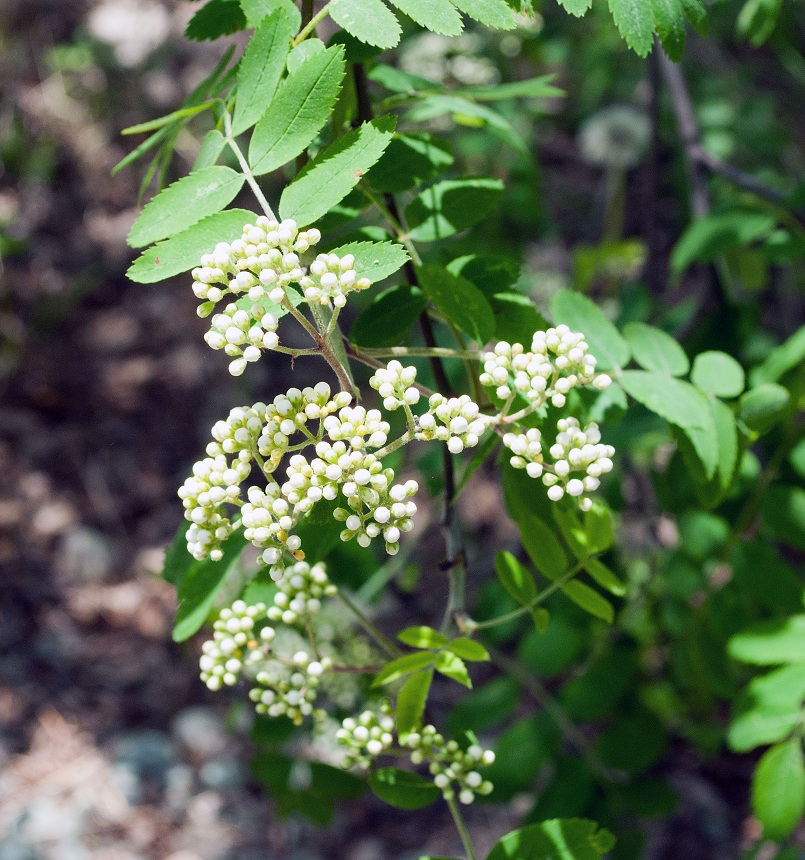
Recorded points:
(377, 508)
(395, 384)
(365, 737)
(233, 645)
(260, 266)
(581, 452)
(288, 687)
(301, 589)
(557, 361)
(461, 422)
(450, 765)
(527, 450)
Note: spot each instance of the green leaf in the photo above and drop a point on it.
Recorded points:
(768, 643)
(257, 10)
(185, 203)
(199, 586)
(404, 665)
(521, 752)
(598, 526)
(423, 637)
(303, 51)
(403, 789)
(211, 148)
(581, 314)
(319, 531)
(300, 107)
(411, 702)
(541, 87)
(541, 618)
(778, 789)
(491, 13)
(769, 709)
(605, 577)
(589, 600)
(781, 359)
(557, 839)
(762, 407)
(553, 651)
(368, 21)
(757, 20)
(374, 260)
(468, 649)
(696, 13)
(515, 578)
(633, 742)
(669, 22)
(717, 373)
(653, 349)
(177, 559)
(451, 206)
(214, 19)
(783, 510)
(710, 236)
(484, 707)
(542, 545)
(453, 667)
(261, 68)
(635, 22)
(328, 179)
(386, 321)
(459, 300)
(680, 404)
(576, 7)
(183, 251)
(438, 16)
(409, 161)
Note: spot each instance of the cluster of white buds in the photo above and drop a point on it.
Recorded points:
(234, 645)
(242, 334)
(377, 508)
(527, 450)
(288, 687)
(366, 737)
(331, 278)
(395, 384)
(581, 452)
(214, 483)
(557, 361)
(358, 427)
(267, 522)
(301, 589)
(238, 434)
(461, 422)
(450, 765)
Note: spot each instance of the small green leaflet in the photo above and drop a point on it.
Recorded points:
(762, 407)
(576, 7)
(541, 87)
(468, 649)
(769, 709)
(669, 22)
(185, 203)
(783, 512)
(403, 789)
(301, 106)
(515, 578)
(177, 559)
(411, 701)
(653, 349)
(410, 160)
(635, 22)
(328, 179)
(423, 637)
(302, 52)
(581, 314)
(565, 838)
(770, 643)
(589, 600)
(717, 373)
(403, 666)
(438, 16)
(199, 586)
(257, 10)
(493, 13)
(216, 18)
(451, 206)
(452, 666)
(211, 148)
(781, 359)
(374, 260)
(459, 300)
(184, 250)
(260, 69)
(778, 789)
(368, 21)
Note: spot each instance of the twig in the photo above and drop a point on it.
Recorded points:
(244, 166)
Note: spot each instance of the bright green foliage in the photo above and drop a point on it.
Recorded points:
(574, 839)
(370, 22)
(778, 789)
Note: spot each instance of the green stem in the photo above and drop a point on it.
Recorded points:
(393, 446)
(540, 598)
(461, 827)
(312, 24)
(244, 166)
(419, 352)
(383, 641)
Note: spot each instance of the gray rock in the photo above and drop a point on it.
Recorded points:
(200, 730)
(85, 555)
(222, 773)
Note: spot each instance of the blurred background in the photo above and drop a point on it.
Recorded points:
(110, 747)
